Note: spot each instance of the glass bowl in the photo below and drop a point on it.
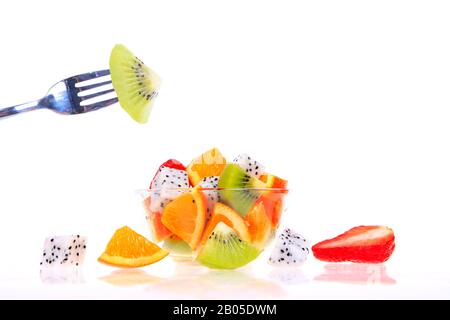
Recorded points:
(183, 220)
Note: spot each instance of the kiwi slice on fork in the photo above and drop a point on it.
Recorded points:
(136, 84)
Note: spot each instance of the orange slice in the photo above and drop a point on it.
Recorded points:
(259, 225)
(129, 249)
(185, 216)
(231, 218)
(210, 163)
(174, 237)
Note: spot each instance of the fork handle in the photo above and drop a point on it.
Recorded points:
(24, 107)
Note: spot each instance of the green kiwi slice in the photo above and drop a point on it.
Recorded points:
(238, 188)
(225, 250)
(136, 84)
(177, 247)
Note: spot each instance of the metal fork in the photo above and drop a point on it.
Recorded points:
(70, 96)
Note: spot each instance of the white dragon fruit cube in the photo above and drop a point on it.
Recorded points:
(212, 196)
(63, 251)
(169, 184)
(159, 199)
(251, 167)
(290, 249)
(170, 178)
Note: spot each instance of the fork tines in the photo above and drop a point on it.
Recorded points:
(95, 89)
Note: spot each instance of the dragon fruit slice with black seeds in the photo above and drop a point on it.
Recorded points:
(64, 251)
(170, 178)
(212, 196)
(250, 166)
(168, 182)
(291, 249)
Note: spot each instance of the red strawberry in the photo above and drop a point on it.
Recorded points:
(171, 163)
(174, 164)
(366, 244)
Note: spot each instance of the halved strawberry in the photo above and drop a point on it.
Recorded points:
(366, 244)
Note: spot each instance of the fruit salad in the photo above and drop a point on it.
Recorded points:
(219, 212)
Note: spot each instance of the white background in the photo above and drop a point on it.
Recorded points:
(349, 100)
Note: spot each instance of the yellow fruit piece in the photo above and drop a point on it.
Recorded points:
(272, 181)
(210, 163)
(129, 249)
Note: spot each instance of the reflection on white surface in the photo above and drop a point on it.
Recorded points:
(62, 275)
(174, 280)
(129, 277)
(359, 273)
(197, 282)
(288, 276)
